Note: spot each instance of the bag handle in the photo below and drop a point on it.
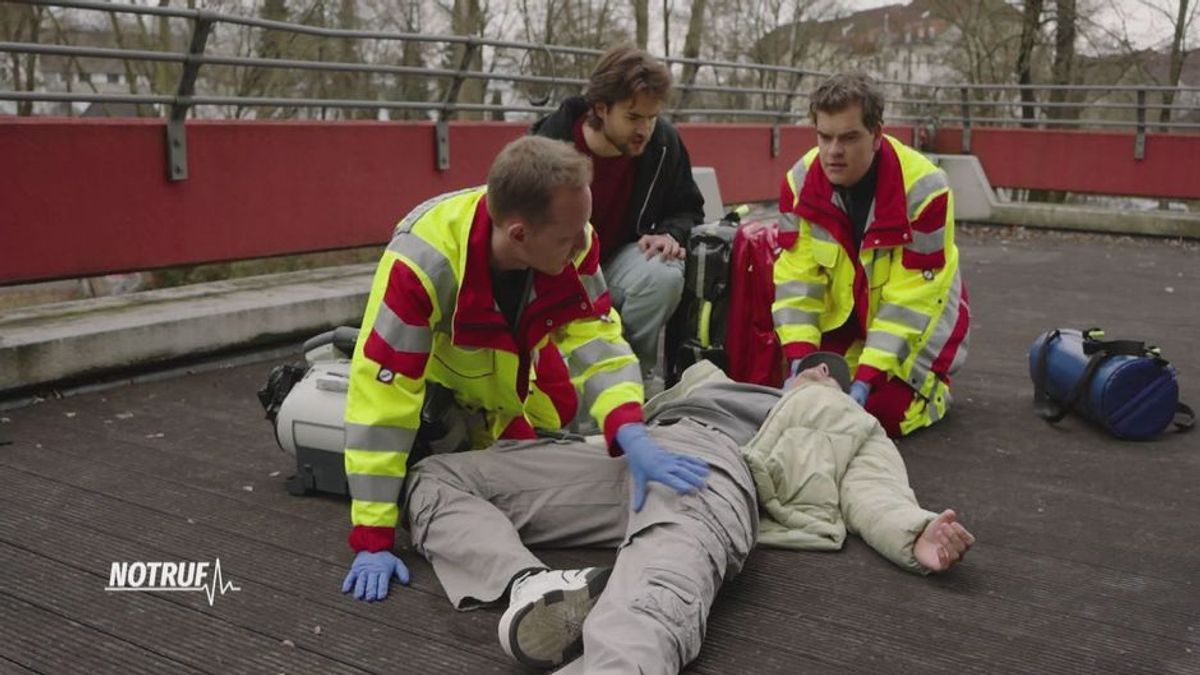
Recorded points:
(1185, 419)
(1044, 406)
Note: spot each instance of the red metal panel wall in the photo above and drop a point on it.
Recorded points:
(81, 198)
(86, 197)
(1098, 162)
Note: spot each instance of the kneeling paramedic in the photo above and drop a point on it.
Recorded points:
(870, 268)
(496, 294)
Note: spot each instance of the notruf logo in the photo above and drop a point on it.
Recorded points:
(170, 576)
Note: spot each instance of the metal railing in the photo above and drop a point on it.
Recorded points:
(777, 98)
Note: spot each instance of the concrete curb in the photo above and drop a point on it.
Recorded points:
(975, 201)
(1139, 223)
(84, 338)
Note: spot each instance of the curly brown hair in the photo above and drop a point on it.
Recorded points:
(621, 73)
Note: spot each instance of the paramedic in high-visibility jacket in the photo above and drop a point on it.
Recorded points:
(870, 269)
(496, 294)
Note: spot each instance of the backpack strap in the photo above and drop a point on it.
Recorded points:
(1043, 405)
(1053, 412)
(1185, 419)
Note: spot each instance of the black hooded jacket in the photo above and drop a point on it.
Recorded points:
(665, 198)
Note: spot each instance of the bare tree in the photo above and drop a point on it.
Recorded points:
(691, 50)
(1182, 20)
(1031, 25)
(22, 23)
(467, 18)
(1064, 56)
(641, 15)
(666, 18)
(412, 54)
(595, 24)
(271, 44)
(351, 85)
(793, 33)
(989, 35)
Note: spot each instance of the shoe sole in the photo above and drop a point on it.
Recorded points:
(549, 632)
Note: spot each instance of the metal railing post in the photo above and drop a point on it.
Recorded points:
(776, 131)
(966, 120)
(177, 166)
(1139, 139)
(442, 129)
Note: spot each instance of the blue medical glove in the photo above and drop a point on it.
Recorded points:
(370, 574)
(648, 461)
(859, 391)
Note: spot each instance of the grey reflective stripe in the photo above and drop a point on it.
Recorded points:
(593, 352)
(379, 438)
(598, 383)
(887, 342)
(904, 316)
(870, 217)
(928, 242)
(434, 264)
(789, 222)
(922, 189)
(945, 327)
(960, 356)
(400, 336)
(838, 201)
(788, 316)
(799, 289)
(426, 206)
(370, 488)
(798, 173)
(594, 284)
(932, 407)
(819, 233)
(919, 373)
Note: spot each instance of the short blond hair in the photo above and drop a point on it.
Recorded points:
(526, 173)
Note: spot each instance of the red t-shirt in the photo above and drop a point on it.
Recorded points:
(612, 185)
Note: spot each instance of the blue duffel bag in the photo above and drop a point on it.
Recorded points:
(1124, 386)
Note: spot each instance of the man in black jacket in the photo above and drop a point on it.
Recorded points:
(644, 200)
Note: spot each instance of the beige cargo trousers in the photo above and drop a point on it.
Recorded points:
(473, 515)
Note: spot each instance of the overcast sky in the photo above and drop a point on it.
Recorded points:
(1145, 26)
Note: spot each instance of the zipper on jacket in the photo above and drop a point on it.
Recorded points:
(662, 157)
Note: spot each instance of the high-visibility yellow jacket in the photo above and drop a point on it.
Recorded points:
(903, 286)
(432, 316)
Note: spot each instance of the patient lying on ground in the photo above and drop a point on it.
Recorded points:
(822, 466)
(944, 541)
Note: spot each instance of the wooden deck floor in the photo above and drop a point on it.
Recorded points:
(1088, 555)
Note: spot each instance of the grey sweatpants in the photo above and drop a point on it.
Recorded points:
(645, 294)
(473, 514)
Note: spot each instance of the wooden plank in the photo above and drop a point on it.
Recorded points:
(15, 668)
(175, 632)
(304, 572)
(881, 605)
(269, 608)
(35, 639)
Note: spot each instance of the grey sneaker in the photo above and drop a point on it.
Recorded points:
(543, 626)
